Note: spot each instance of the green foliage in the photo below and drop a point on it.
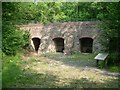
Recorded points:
(87, 11)
(113, 59)
(101, 64)
(50, 12)
(43, 12)
(13, 39)
(110, 23)
(25, 42)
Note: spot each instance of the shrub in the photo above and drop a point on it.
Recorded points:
(13, 39)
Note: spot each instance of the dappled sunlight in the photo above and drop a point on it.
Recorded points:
(54, 44)
(66, 75)
(45, 72)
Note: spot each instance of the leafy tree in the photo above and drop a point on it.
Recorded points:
(50, 12)
(110, 23)
(12, 37)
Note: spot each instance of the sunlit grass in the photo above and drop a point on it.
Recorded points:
(10, 69)
(114, 68)
(47, 72)
(82, 56)
(0, 68)
(74, 56)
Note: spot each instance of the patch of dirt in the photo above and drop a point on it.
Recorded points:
(71, 73)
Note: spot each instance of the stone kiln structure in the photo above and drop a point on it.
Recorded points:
(64, 37)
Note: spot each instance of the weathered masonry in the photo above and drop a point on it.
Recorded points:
(64, 37)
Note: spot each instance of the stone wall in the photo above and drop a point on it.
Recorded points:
(71, 32)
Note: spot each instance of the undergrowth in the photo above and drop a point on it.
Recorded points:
(10, 69)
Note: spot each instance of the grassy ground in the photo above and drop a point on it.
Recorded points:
(0, 68)
(56, 70)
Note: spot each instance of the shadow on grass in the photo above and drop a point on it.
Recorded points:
(14, 77)
(86, 83)
(75, 60)
(10, 71)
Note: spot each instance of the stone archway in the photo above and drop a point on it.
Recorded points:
(36, 43)
(59, 44)
(86, 45)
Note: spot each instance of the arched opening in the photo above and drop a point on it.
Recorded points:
(59, 44)
(36, 42)
(86, 45)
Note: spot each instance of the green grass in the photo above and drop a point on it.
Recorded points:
(10, 69)
(82, 56)
(74, 56)
(46, 72)
(0, 68)
(113, 68)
